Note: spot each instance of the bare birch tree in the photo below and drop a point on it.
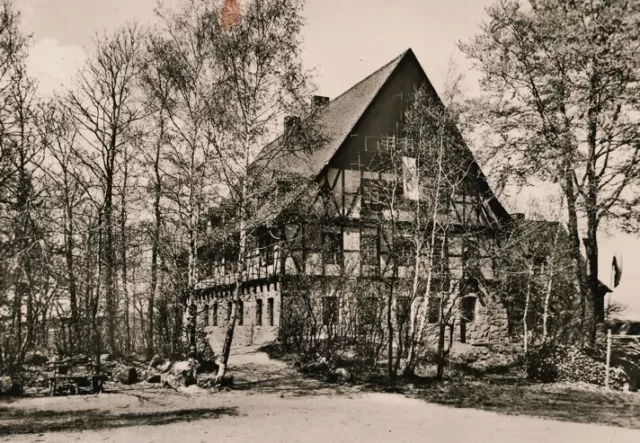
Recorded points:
(263, 82)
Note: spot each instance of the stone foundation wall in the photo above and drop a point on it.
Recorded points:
(491, 323)
(250, 333)
(489, 326)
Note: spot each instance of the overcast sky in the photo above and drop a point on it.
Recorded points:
(345, 40)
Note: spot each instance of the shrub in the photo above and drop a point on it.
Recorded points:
(541, 364)
(587, 366)
(549, 363)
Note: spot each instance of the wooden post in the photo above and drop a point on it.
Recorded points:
(606, 376)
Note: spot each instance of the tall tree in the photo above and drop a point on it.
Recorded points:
(66, 192)
(158, 88)
(561, 87)
(105, 107)
(24, 247)
(440, 216)
(263, 82)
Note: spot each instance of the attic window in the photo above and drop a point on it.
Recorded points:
(372, 144)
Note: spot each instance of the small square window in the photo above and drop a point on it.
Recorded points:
(372, 144)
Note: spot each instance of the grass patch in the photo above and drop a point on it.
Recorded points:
(547, 401)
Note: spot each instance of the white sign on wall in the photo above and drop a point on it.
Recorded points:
(410, 178)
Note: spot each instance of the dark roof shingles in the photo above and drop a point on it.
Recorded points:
(335, 122)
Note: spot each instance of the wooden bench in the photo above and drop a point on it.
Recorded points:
(61, 377)
(76, 381)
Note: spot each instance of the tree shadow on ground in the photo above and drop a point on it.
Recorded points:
(294, 385)
(37, 421)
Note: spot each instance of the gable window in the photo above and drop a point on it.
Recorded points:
(351, 180)
(332, 248)
(329, 311)
(371, 144)
(259, 312)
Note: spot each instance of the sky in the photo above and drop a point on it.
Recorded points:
(344, 41)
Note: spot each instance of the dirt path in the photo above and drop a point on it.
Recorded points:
(276, 405)
(241, 416)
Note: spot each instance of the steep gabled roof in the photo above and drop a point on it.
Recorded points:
(338, 119)
(335, 121)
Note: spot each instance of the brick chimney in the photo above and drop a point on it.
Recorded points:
(319, 101)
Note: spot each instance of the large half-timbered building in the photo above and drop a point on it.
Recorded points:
(299, 257)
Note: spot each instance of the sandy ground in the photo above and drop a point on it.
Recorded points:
(278, 407)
